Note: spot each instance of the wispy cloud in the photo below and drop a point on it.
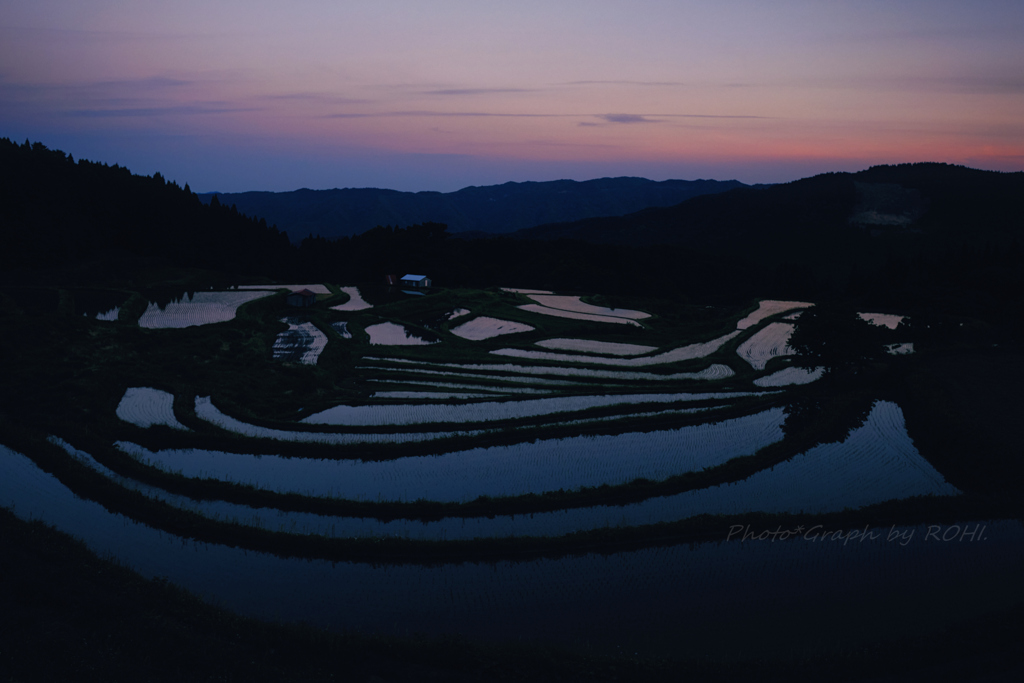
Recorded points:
(178, 110)
(660, 118)
(445, 114)
(581, 145)
(477, 91)
(101, 92)
(712, 116)
(605, 119)
(153, 82)
(627, 118)
(316, 98)
(660, 84)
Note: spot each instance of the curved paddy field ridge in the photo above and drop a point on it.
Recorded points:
(481, 472)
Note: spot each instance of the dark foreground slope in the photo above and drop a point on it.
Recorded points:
(493, 209)
(66, 615)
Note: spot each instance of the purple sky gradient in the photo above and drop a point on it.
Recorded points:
(419, 95)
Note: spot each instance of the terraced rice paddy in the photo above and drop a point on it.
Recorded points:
(424, 395)
(202, 308)
(558, 313)
(531, 467)
(145, 407)
(770, 342)
(712, 372)
(302, 342)
(389, 415)
(316, 289)
(390, 334)
(790, 376)
(876, 462)
(355, 302)
(575, 304)
(454, 385)
(486, 328)
(98, 304)
(768, 308)
(461, 375)
(882, 319)
(684, 353)
(592, 346)
(481, 445)
(205, 410)
(704, 588)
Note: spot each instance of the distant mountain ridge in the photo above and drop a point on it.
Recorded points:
(824, 213)
(492, 209)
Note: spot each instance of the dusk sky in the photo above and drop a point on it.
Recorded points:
(437, 95)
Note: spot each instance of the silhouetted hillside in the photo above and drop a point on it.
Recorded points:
(936, 235)
(494, 209)
(936, 200)
(59, 214)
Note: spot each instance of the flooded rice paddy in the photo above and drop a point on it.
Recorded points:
(342, 329)
(790, 376)
(316, 289)
(592, 346)
(768, 308)
(574, 304)
(412, 414)
(390, 334)
(145, 407)
(514, 470)
(575, 315)
(517, 372)
(657, 599)
(654, 600)
(421, 395)
(827, 478)
(201, 308)
(205, 410)
(456, 385)
(302, 342)
(486, 328)
(771, 341)
(684, 353)
(99, 304)
(355, 302)
(882, 319)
